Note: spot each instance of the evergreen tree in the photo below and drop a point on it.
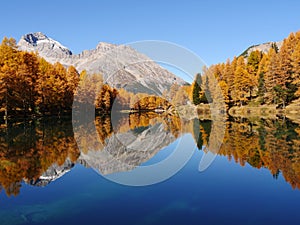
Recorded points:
(196, 88)
(275, 47)
(261, 87)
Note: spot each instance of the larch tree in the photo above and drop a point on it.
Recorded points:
(242, 82)
(284, 88)
(270, 77)
(72, 77)
(253, 62)
(8, 69)
(296, 68)
(27, 76)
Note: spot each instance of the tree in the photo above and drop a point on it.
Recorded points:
(253, 62)
(26, 79)
(261, 87)
(88, 88)
(296, 68)
(261, 73)
(275, 47)
(243, 84)
(105, 98)
(8, 69)
(197, 91)
(72, 77)
(272, 72)
(285, 70)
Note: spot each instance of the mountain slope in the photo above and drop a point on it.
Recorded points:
(265, 47)
(120, 65)
(46, 47)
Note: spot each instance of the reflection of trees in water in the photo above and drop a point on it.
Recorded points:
(126, 140)
(28, 149)
(271, 144)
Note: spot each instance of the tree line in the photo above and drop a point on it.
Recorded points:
(31, 86)
(260, 78)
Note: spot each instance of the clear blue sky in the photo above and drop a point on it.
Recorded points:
(214, 30)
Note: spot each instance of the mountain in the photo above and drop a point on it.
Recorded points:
(121, 66)
(265, 47)
(46, 47)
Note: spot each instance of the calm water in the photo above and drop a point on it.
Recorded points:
(51, 173)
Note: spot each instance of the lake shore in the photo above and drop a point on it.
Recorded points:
(267, 111)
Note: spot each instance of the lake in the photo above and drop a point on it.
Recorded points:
(149, 168)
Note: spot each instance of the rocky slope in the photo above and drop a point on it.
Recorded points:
(120, 65)
(265, 47)
(45, 46)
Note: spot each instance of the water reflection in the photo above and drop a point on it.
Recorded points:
(38, 152)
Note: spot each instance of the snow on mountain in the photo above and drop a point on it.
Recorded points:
(47, 47)
(120, 65)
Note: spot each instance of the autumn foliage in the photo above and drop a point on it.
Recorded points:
(261, 78)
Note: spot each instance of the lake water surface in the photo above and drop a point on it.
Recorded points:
(54, 173)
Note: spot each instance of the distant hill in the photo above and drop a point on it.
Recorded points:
(265, 47)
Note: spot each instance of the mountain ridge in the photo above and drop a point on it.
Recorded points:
(121, 66)
(264, 47)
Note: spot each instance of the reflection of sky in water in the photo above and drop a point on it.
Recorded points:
(162, 154)
(226, 193)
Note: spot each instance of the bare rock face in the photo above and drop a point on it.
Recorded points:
(45, 46)
(121, 66)
(265, 47)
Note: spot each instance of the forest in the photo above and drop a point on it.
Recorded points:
(271, 78)
(31, 86)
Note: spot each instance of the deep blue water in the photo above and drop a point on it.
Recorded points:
(225, 193)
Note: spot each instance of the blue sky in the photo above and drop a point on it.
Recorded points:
(214, 30)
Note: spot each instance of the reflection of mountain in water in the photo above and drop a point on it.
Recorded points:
(52, 173)
(126, 141)
(39, 152)
(124, 151)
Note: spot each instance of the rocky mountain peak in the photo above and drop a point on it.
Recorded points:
(47, 47)
(33, 38)
(105, 46)
(264, 48)
(120, 65)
